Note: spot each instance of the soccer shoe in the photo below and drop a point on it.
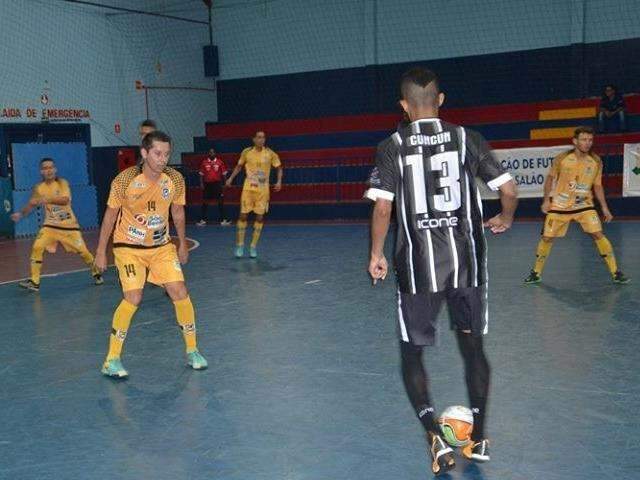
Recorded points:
(619, 277)
(239, 252)
(477, 451)
(196, 361)
(201, 223)
(253, 252)
(113, 368)
(30, 285)
(533, 278)
(441, 454)
(97, 279)
(225, 223)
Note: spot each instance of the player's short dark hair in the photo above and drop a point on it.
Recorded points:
(155, 136)
(579, 130)
(47, 159)
(259, 131)
(413, 85)
(148, 123)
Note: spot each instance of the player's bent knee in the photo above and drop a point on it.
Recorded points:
(134, 297)
(177, 290)
(547, 239)
(597, 235)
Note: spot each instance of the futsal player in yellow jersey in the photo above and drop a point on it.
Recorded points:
(60, 224)
(257, 162)
(139, 204)
(577, 175)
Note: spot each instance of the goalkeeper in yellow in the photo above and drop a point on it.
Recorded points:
(257, 162)
(60, 225)
(139, 204)
(577, 175)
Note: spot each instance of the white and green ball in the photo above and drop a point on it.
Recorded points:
(456, 424)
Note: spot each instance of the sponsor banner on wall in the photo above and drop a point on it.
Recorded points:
(631, 175)
(528, 167)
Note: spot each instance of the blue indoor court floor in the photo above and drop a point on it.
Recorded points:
(304, 378)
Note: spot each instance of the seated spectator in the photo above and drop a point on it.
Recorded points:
(612, 110)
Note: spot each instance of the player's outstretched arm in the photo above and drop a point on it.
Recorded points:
(598, 192)
(233, 175)
(509, 200)
(23, 212)
(380, 220)
(108, 221)
(179, 221)
(34, 201)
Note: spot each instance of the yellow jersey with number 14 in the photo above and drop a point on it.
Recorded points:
(144, 206)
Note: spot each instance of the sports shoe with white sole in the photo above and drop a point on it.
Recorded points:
(113, 368)
(441, 454)
(477, 451)
(196, 361)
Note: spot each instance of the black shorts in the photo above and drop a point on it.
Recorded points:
(418, 314)
(212, 191)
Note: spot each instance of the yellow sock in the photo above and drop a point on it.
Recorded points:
(36, 267)
(187, 320)
(88, 259)
(240, 232)
(606, 252)
(257, 230)
(37, 254)
(121, 321)
(542, 252)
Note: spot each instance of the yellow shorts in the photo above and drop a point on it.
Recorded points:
(254, 201)
(556, 224)
(161, 263)
(71, 240)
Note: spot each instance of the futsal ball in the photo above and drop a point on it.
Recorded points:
(456, 423)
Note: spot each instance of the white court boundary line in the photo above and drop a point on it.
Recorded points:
(195, 245)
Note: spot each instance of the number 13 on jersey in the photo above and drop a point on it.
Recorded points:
(446, 169)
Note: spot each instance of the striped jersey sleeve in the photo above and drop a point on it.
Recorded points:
(484, 163)
(383, 180)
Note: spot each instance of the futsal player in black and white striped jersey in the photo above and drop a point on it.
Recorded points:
(429, 168)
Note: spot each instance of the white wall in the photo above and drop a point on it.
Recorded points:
(89, 58)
